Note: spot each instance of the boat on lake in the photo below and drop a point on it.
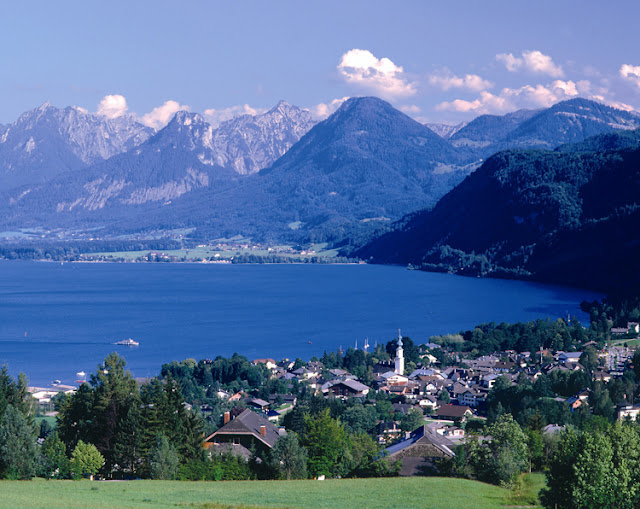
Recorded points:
(127, 342)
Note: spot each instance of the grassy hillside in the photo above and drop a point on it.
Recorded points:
(405, 493)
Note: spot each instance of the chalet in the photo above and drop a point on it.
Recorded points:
(428, 403)
(454, 412)
(238, 435)
(349, 388)
(420, 451)
(472, 397)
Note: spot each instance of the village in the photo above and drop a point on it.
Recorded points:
(433, 408)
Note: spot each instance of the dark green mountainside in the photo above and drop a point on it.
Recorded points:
(565, 217)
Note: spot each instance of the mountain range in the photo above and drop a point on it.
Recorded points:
(276, 176)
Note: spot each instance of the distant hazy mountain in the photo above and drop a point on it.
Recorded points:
(568, 217)
(566, 122)
(487, 131)
(250, 143)
(367, 163)
(176, 160)
(48, 141)
(364, 166)
(446, 131)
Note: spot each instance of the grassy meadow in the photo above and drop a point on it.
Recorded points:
(198, 253)
(400, 493)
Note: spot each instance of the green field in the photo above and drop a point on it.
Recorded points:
(198, 253)
(405, 493)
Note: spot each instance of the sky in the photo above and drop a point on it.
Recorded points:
(436, 61)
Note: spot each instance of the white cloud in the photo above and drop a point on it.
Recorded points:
(509, 99)
(534, 61)
(216, 116)
(486, 103)
(631, 73)
(112, 106)
(159, 117)
(323, 110)
(510, 62)
(470, 82)
(362, 68)
(410, 109)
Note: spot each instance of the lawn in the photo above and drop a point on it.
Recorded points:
(415, 492)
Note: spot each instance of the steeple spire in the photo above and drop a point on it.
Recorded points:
(399, 360)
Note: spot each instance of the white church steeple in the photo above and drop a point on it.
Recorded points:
(399, 356)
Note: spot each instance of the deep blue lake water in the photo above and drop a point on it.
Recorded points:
(73, 313)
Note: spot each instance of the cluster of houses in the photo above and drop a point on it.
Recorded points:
(446, 397)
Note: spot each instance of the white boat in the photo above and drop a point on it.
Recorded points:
(127, 342)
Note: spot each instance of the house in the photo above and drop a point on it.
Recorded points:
(238, 435)
(420, 451)
(454, 412)
(619, 330)
(564, 357)
(268, 363)
(391, 377)
(472, 397)
(349, 388)
(428, 403)
(579, 399)
(43, 395)
(388, 431)
(422, 372)
(628, 412)
(489, 381)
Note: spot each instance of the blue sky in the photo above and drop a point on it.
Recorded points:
(437, 61)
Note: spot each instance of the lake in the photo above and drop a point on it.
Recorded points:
(56, 320)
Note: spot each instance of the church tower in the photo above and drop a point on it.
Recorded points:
(399, 356)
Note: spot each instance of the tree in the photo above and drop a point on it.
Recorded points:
(163, 460)
(412, 420)
(289, 458)
(589, 359)
(444, 397)
(359, 418)
(86, 460)
(18, 450)
(594, 474)
(56, 463)
(326, 442)
(508, 452)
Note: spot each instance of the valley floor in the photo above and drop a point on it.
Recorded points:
(405, 493)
